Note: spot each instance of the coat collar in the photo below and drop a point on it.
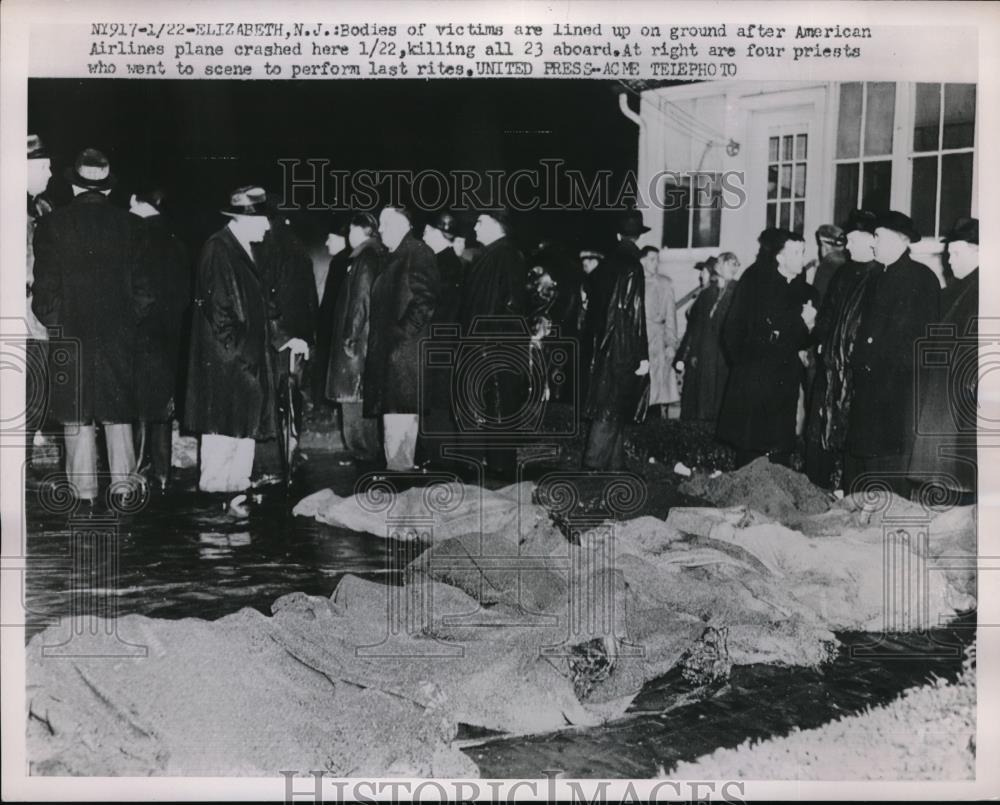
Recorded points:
(237, 247)
(365, 244)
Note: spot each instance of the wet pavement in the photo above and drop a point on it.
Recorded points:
(182, 555)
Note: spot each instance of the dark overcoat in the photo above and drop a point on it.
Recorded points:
(494, 307)
(712, 368)
(335, 276)
(288, 268)
(761, 337)
(900, 301)
(161, 333)
(616, 326)
(945, 447)
(402, 307)
(235, 330)
(689, 350)
(88, 283)
(349, 339)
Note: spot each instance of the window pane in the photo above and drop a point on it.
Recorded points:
(956, 189)
(786, 147)
(876, 186)
(879, 115)
(923, 200)
(799, 217)
(849, 121)
(772, 181)
(707, 216)
(784, 215)
(926, 117)
(801, 150)
(772, 149)
(959, 116)
(786, 181)
(845, 197)
(800, 180)
(772, 215)
(676, 206)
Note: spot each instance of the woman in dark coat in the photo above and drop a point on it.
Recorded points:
(345, 370)
(768, 323)
(945, 449)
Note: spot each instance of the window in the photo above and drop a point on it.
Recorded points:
(692, 211)
(864, 148)
(944, 123)
(786, 180)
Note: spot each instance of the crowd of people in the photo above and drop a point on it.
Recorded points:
(781, 358)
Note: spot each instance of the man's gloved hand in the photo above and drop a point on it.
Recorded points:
(643, 368)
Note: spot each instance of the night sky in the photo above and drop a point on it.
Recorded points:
(203, 138)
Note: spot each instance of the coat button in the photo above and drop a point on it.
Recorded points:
(869, 339)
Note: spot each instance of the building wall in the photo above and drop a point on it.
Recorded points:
(687, 128)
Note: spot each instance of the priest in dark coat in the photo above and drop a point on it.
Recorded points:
(945, 450)
(619, 369)
(402, 306)
(900, 301)
(340, 258)
(769, 322)
(494, 310)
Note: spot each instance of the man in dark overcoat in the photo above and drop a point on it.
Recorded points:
(340, 257)
(615, 324)
(349, 339)
(402, 306)
(494, 310)
(88, 282)
(945, 450)
(231, 394)
(161, 334)
(901, 299)
(769, 322)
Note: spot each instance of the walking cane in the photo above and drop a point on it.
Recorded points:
(289, 424)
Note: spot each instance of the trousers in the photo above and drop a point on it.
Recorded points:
(226, 463)
(400, 436)
(360, 433)
(81, 456)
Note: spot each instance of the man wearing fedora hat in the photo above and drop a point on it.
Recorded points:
(945, 448)
(231, 389)
(89, 283)
(615, 327)
(900, 301)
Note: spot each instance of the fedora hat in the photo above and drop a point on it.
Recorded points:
(91, 171)
(631, 225)
(898, 222)
(832, 234)
(966, 229)
(248, 200)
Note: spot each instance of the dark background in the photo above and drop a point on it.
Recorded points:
(203, 138)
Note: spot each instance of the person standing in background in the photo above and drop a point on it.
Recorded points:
(900, 301)
(340, 257)
(89, 283)
(687, 361)
(830, 243)
(236, 330)
(769, 322)
(713, 371)
(616, 325)
(349, 338)
(945, 449)
(402, 306)
(160, 335)
(661, 330)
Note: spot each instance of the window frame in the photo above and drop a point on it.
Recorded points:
(667, 184)
(861, 159)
